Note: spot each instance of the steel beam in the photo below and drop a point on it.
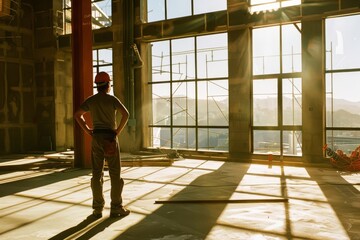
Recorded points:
(81, 45)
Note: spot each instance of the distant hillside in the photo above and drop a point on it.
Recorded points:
(343, 118)
(346, 113)
(341, 104)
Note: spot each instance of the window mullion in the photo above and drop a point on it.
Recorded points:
(196, 98)
(171, 98)
(280, 94)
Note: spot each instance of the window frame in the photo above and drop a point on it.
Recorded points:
(66, 16)
(331, 131)
(195, 127)
(280, 126)
(165, 11)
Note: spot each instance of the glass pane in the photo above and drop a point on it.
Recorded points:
(264, 5)
(155, 10)
(183, 99)
(109, 70)
(101, 14)
(265, 102)
(105, 56)
(288, 3)
(343, 99)
(184, 138)
(205, 6)
(101, 11)
(161, 104)
(213, 139)
(347, 141)
(161, 137)
(266, 142)
(67, 21)
(178, 8)
(291, 48)
(95, 57)
(342, 42)
(94, 74)
(213, 103)
(256, 2)
(160, 57)
(67, 3)
(212, 56)
(183, 59)
(292, 143)
(266, 50)
(292, 101)
(102, 61)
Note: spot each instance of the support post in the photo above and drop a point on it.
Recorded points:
(313, 88)
(82, 74)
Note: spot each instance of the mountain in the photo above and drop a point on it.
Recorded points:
(341, 104)
(345, 113)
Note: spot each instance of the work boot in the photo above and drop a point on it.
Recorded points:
(119, 212)
(97, 213)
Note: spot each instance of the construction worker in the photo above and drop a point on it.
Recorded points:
(103, 108)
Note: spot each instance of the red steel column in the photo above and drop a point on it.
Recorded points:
(82, 74)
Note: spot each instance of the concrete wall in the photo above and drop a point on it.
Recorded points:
(18, 127)
(27, 79)
(64, 123)
(44, 58)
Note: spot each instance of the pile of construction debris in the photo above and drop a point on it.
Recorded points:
(343, 161)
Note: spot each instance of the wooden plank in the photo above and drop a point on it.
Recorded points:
(265, 200)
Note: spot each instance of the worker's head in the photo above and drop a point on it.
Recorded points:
(102, 81)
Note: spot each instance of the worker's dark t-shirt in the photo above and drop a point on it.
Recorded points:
(102, 108)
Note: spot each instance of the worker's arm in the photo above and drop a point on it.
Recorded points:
(79, 117)
(124, 118)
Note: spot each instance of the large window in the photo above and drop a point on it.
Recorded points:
(103, 62)
(189, 83)
(276, 90)
(342, 82)
(158, 10)
(100, 14)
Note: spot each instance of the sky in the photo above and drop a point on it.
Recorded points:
(343, 37)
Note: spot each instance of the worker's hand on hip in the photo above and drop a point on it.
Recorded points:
(90, 132)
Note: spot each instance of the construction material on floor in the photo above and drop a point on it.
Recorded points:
(343, 161)
(268, 200)
(127, 159)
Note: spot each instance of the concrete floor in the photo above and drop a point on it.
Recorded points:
(43, 200)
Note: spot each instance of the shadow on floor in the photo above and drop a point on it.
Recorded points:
(86, 229)
(192, 221)
(34, 174)
(343, 198)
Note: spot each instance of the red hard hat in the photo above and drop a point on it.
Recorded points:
(102, 77)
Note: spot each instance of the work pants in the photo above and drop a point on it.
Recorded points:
(114, 166)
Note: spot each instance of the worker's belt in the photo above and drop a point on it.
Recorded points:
(108, 141)
(104, 131)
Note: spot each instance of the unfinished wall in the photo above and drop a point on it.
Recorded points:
(63, 101)
(64, 130)
(17, 85)
(44, 57)
(27, 55)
